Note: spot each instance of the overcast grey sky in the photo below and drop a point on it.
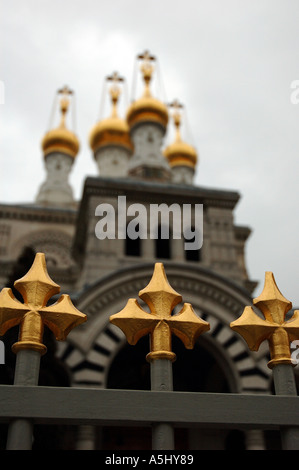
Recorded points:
(231, 62)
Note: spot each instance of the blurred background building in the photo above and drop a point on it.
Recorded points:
(134, 160)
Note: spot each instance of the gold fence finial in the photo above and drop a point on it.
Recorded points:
(159, 323)
(36, 288)
(274, 328)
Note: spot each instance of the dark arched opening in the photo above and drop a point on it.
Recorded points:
(133, 246)
(193, 254)
(194, 370)
(162, 245)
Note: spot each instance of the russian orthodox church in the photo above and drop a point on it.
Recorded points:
(101, 273)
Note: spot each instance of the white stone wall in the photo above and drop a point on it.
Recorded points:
(56, 189)
(148, 141)
(112, 162)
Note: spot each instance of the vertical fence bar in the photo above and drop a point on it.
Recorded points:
(161, 380)
(20, 431)
(36, 288)
(160, 324)
(284, 383)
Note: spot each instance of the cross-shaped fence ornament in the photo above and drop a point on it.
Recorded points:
(159, 323)
(275, 328)
(37, 288)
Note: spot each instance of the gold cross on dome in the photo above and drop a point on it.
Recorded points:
(274, 327)
(159, 323)
(146, 56)
(64, 102)
(177, 106)
(146, 69)
(65, 90)
(36, 288)
(115, 77)
(114, 91)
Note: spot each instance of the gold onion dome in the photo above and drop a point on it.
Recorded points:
(112, 130)
(61, 139)
(179, 153)
(147, 108)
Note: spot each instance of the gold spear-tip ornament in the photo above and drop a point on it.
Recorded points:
(159, 323)
(274, 328)
(37, 288)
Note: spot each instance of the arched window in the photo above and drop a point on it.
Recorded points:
(192, 254)
(132, 247)
(163, 247)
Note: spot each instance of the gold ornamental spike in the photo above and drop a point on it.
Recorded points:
(274, 328)
(36, 288)
(159, 323)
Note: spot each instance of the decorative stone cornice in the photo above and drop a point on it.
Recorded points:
(242, 232)
(37, 214)
(152, 191)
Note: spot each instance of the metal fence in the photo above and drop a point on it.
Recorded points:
(26, 404)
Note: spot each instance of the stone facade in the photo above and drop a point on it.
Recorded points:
(222, 250)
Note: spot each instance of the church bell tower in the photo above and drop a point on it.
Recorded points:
(110, 138)
(147, 118)
(60, 147)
